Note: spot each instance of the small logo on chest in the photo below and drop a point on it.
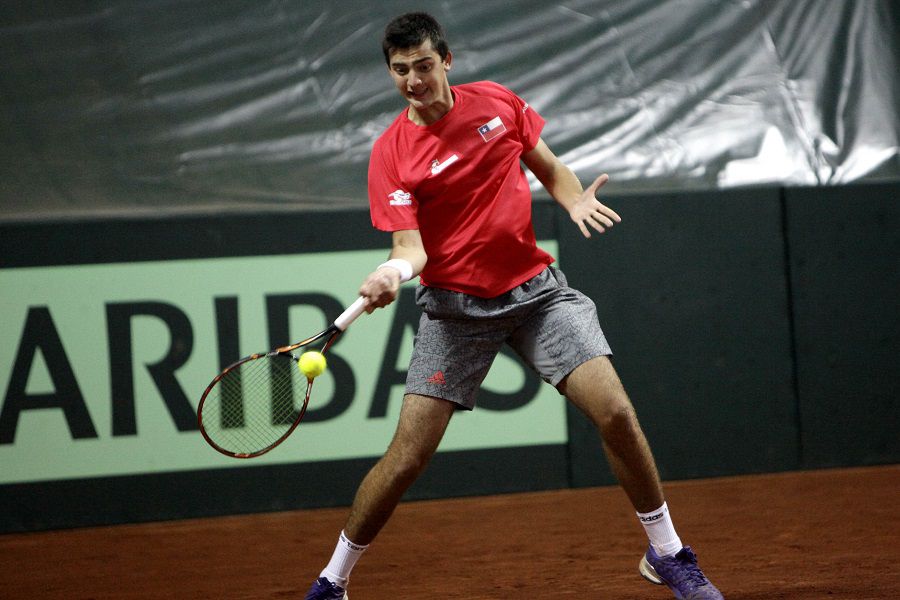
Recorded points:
(493, 128)
(438, 166)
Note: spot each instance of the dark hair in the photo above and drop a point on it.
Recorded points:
(411, 30)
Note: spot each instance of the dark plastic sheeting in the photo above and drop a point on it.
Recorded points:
(176, 105)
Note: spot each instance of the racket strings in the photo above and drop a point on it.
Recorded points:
(255, 404)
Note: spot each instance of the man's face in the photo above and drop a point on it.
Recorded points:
(421, 77)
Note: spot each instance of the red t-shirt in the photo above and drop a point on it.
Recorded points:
(459, 182)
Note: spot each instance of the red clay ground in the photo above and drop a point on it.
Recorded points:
(804, 536)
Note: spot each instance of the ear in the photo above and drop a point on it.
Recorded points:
(448, 60)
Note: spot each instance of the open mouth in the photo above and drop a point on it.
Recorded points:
(418, 95)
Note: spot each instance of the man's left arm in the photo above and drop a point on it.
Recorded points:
(582, 205)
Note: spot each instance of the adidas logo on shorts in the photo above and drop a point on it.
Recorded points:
(437, 378)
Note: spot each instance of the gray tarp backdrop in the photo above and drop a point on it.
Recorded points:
(123, 106)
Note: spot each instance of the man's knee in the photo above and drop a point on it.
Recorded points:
(405, 463)
(595, 388)
(618, 421)
(423, 421)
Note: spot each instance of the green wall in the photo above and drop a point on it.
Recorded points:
(845, 277)
(692, 291)
(755, 330)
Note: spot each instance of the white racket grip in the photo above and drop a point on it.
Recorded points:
(349, 315)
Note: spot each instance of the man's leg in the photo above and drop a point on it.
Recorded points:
(420, 429)
(595, 388)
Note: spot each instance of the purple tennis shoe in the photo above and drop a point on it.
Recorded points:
(322, 589)
(680, 573)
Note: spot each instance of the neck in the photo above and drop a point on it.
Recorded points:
(431, 113)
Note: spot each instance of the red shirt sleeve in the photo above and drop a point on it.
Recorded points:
(529, 123)
(392, 207)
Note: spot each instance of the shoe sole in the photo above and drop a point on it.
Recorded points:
(648, 572)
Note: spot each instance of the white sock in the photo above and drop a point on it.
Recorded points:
(346, 553)
(661, 531)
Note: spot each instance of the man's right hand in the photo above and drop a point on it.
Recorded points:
(380, 288)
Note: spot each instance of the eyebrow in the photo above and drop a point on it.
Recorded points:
(414, 63)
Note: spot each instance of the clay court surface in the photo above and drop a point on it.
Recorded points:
(805, 536)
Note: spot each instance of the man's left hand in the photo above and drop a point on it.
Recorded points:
(589, 212)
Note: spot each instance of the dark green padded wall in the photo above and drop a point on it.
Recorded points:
(845, 266)
(692, 293)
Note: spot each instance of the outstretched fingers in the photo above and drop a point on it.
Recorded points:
(589, 213)
(598, 183)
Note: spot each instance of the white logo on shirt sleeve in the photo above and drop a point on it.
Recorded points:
(400, 198)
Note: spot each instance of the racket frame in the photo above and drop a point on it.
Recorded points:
(331, 333)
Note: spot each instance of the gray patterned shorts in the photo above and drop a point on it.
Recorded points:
(552, 327)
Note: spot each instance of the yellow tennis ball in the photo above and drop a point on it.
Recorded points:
(312, 364)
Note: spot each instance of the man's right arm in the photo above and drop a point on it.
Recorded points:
(407, 259)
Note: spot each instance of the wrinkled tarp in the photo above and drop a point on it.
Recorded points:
(113, 107)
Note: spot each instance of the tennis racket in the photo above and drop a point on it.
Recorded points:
(257, 402)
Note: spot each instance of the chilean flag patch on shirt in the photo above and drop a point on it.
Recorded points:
(492, 129)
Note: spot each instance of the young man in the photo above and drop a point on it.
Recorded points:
(445, 179)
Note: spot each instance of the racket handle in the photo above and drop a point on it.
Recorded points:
(349, 315)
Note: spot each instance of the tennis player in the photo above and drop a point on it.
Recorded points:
(445, 179)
